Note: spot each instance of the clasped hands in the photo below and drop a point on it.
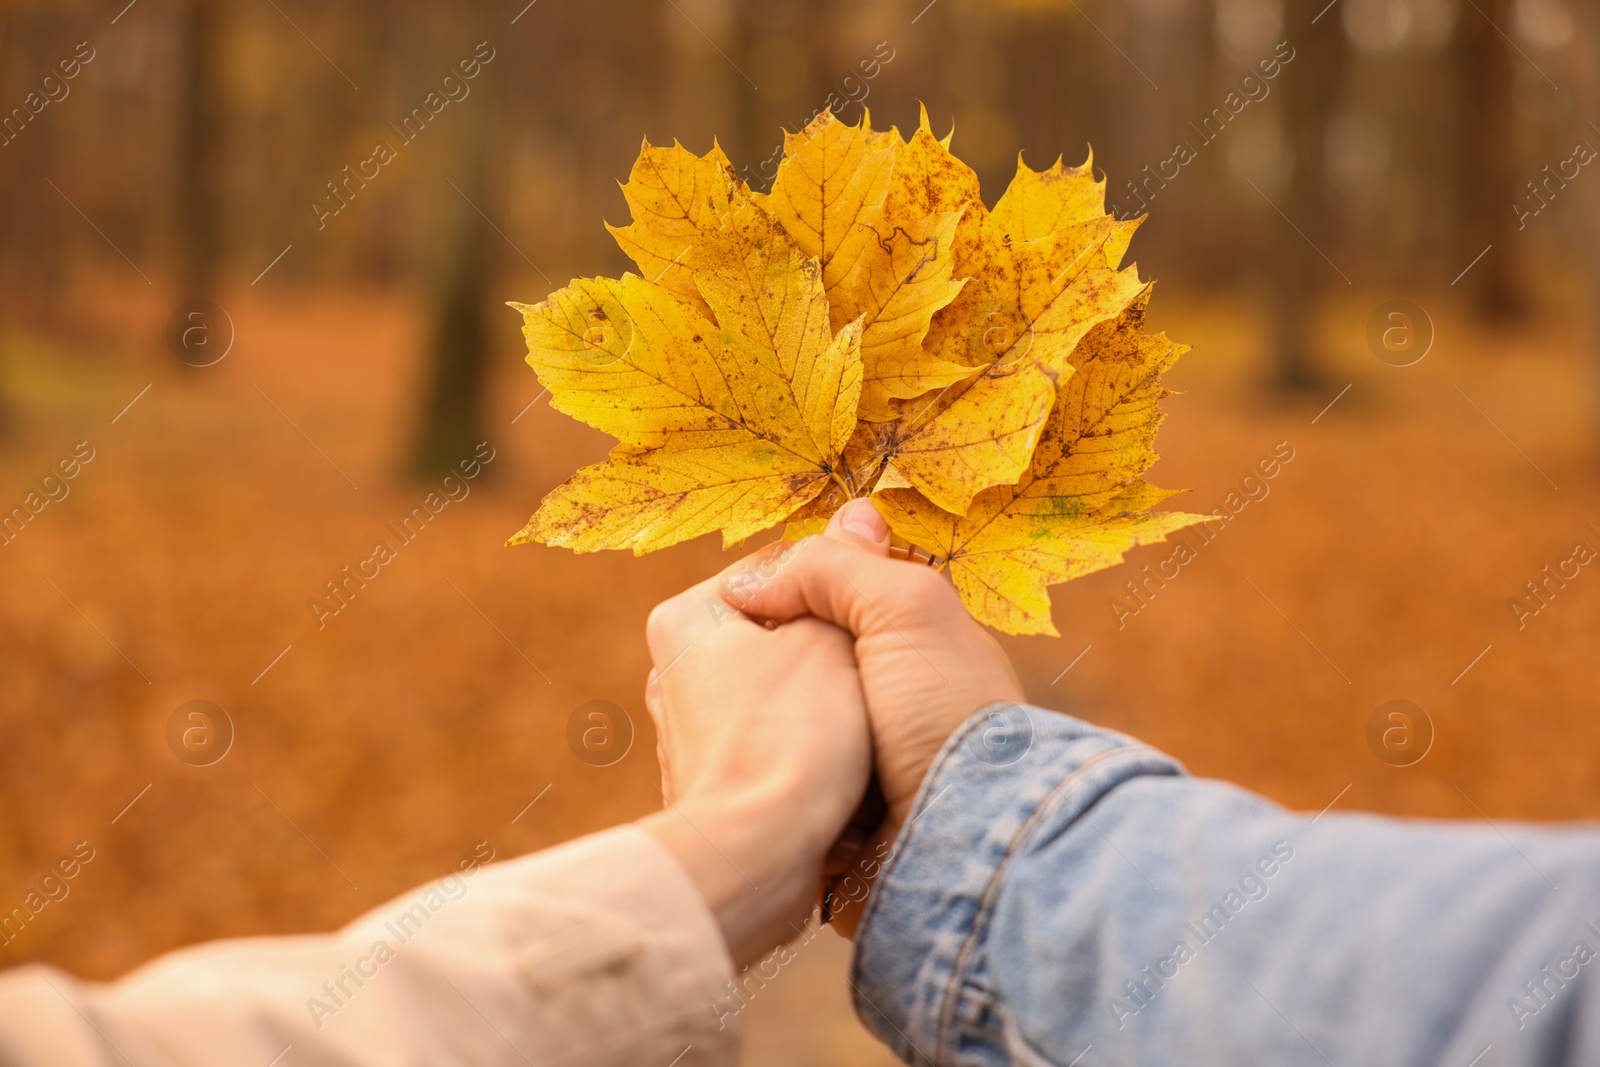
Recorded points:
(780, 688)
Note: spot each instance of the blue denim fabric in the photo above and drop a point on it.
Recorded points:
(1065, 895)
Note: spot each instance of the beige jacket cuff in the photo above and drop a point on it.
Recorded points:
(597, 952)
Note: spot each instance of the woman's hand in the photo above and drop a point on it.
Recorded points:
(764, 751)
(925, 664)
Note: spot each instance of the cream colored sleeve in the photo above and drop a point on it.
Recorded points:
(597, 952)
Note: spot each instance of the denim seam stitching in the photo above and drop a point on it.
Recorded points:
(991, 891)
(946, 753)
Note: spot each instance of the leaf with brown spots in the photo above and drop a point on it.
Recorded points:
(1082, 503)
(1038, 203)
(867, 328)
(1025, 303)
(726, 427)
(674, 197)
(838, 193)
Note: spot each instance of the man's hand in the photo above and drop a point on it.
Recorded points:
(765, 753)
(925, 664)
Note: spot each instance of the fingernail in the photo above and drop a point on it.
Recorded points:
(740, 586)
(861, 518)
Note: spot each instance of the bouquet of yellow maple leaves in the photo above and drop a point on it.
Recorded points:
(867, 328)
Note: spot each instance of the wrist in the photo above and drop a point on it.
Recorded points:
(756, 859)
(849, 891)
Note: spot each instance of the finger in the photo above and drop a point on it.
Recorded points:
(857, 523)
(664, 762)
(678, 622)
(652, 698)
(844, 851)
(752, 571)
(846, 581)
(860, 521)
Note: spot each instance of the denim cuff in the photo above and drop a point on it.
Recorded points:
(1010, 773)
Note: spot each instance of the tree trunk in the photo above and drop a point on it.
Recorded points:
(1590, 40)
(452, 416)
(199, 150)
(1311, 88)
(1488, 163)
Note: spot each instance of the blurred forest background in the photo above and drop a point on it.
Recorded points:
(1434, 151)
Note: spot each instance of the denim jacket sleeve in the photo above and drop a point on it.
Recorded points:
(1064, 895)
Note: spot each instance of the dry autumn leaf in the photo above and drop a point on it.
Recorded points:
(868, 327)
(889, 267)
(725, 425)
(1082, 503)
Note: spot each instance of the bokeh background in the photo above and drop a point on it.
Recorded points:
(1434, 152)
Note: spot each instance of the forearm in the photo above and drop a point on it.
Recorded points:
(596, 952)
(755, 861)
(1091, 895)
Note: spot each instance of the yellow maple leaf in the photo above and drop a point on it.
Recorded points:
(868, 327)
(1023, 307)
(833, 177)
(834, 194)
(674, 196)
(725, 425)
(1083, 501)
(1037, 203)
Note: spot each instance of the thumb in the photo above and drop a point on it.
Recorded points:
(859, 521)
(844, 576)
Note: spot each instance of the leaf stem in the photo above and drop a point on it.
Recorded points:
(849, 490)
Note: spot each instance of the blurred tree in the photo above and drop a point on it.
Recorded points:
(200, 132)
(772, 41)
(1488, 160)
(452, 415)
(975, 53)
(37, 236)
(826, 60)
(34, 248)
(1590, 239)
(1297, 267)
(1046, 63)
(743, 141)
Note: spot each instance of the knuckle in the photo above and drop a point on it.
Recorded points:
(664, 621)
(926, 586)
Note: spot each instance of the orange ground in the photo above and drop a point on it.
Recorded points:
(409, 729)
